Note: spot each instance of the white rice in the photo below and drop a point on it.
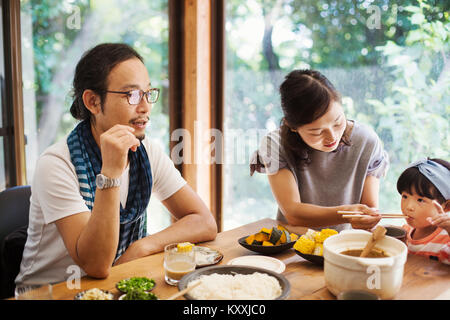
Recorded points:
(256, 286)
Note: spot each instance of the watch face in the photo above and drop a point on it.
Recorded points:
(100, 181)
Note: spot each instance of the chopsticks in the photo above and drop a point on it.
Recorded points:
(180, 293)
(358, 214)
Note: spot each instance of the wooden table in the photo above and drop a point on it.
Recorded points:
(423, 278)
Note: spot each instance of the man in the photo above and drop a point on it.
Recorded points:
(91, 190)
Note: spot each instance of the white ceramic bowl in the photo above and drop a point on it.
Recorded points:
(381, 276)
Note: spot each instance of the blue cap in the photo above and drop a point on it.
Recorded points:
(438, 175)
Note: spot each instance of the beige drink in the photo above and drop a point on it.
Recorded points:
(177, 269)
(179, 259)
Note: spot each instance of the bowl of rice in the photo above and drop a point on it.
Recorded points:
(234, 282)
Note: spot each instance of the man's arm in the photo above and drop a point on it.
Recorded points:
(91, 238)
(195, 223)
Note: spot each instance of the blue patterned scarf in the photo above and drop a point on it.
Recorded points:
(86, 157)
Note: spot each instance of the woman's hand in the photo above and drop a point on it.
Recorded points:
(366, 223)
(442, 219)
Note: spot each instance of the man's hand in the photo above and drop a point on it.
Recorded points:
(114, 146)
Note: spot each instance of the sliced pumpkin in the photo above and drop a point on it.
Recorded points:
(275, 236)
(283, 237)
(288, 236)
(266, 231)
(250, 239)
(267, 243)
(261, 236)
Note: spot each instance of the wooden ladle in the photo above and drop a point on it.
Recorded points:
(377, 235)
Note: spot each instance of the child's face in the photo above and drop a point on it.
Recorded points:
(418, 209)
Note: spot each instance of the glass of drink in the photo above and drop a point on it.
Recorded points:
(179, 259)
(34, 292)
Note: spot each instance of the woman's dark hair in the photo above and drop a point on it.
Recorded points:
(412, 180)
(306, 95)
(92, 73)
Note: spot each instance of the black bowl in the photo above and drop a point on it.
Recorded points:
(265, 249)
(396, 232)
(284, 283)
(311, 258)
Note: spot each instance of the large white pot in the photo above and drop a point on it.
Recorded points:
(382, 276)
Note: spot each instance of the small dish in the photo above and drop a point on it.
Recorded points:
(263, 262)
(284, 283)
(94, 291)
(143, 283)
(205, 256)
(396, 232)
(266, 249)
(311, 257)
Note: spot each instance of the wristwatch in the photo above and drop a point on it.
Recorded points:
(104, 182)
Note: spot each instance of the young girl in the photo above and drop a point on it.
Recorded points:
(425, 190)
(318, 162)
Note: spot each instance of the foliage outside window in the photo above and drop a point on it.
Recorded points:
(390, 61)
(55, 34)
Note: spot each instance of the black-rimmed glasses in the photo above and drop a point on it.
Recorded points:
(135, 96)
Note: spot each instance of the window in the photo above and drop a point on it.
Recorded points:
(390, 62)
(54, 36)
(3, 123)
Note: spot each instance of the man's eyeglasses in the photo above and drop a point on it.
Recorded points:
(135, 96)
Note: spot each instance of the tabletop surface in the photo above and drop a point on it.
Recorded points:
(423, 279)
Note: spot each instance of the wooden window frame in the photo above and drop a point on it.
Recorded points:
(15, 163)
(196, 72)
(196, 75)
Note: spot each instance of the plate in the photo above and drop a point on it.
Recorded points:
(266, 249)
(205, 256)
(284, 283)
(311, 258)
(80, 295)
(147, 280)
(264, 262)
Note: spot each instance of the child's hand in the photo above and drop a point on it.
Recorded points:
(442, 219)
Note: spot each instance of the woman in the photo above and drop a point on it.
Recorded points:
(318, 162)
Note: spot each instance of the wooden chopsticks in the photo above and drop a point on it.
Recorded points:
(358, 214)
(182, 292)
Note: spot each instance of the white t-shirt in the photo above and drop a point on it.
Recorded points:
(55, 194)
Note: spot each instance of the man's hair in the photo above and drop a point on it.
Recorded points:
(92, 73)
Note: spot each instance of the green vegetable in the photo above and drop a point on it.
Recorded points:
(140, 283)
(139, 294)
